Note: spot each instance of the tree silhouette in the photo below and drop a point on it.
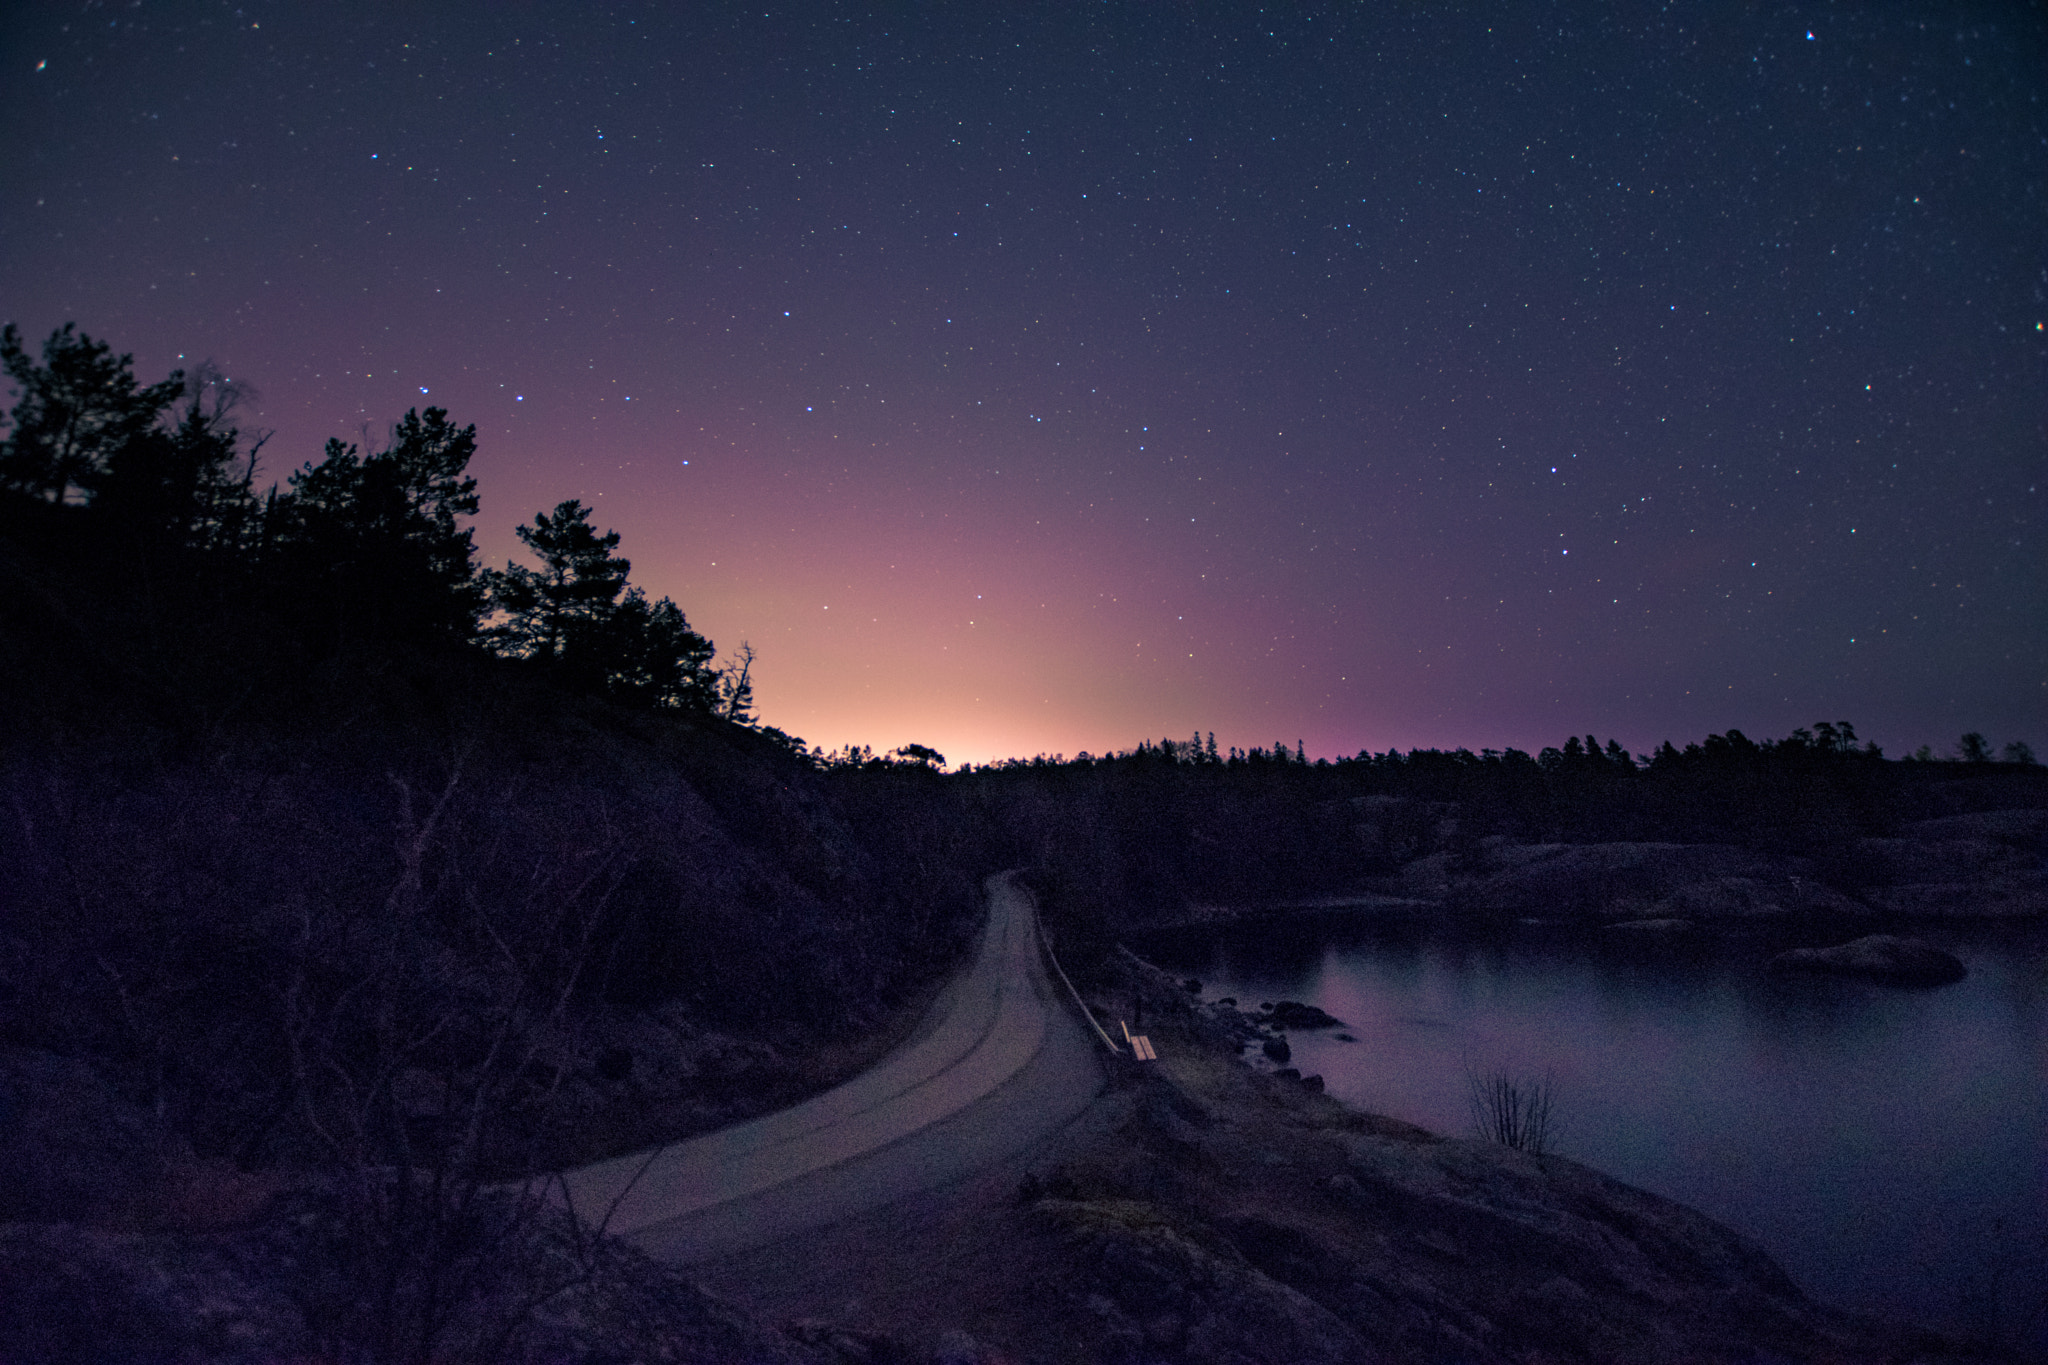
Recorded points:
(554, 613)
(188, 484)
(568, 616)
(372, 541)
(72, 413)
(736, 687)
(655, 659)
(155, 500)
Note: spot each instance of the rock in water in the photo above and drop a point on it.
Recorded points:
(1880, 957)
(1294, 1014)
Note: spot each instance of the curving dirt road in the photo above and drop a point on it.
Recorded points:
(999, 1064)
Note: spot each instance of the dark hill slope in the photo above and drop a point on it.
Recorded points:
(368, 924)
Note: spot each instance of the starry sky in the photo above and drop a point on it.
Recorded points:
(1039, 378)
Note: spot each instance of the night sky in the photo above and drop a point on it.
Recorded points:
(1039, 378)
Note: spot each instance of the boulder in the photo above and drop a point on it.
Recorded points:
(1879, 957)
(1294, 1014)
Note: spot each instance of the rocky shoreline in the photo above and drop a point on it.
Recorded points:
(1248, 1216)
(1987, 865)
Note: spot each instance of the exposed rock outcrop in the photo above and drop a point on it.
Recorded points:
(1167, 1291)
(2020, 828)
(1879, 957)
(1944, 859)
(2017, 895)
(1762, 898)
(1986, 864)
(1292, 1014)
(1637, 880)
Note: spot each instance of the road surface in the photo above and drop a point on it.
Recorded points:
(999, 1063)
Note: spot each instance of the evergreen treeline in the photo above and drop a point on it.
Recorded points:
(148, 582)
(147, 497)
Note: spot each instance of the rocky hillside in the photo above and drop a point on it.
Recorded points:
(292, 989)
(1983, 864)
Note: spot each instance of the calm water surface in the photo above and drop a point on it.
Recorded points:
(1889, 1146)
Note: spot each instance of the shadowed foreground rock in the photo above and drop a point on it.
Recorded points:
(261, 1294)
(1879, 957)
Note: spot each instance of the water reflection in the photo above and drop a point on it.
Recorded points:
(1873, 1138)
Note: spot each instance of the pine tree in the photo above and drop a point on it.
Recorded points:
(72, 413)
(568, 616)
(556, 613)
(736, 687)
(372, 542)
(655, 659)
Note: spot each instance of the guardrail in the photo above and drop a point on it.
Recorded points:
(1045, 945)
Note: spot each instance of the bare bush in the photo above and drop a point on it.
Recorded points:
(427, 1038)
(1514, 1112)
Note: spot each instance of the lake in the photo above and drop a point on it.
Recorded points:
(1888, 1146)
